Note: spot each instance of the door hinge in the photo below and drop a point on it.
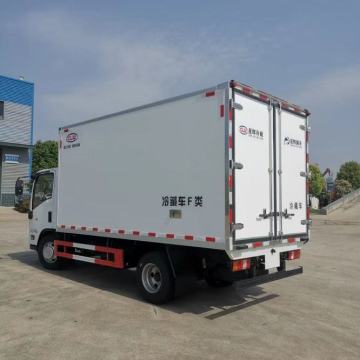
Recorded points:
(304, 174)
(305, 128)
(306, 222)
(234, 105)
(237, 226)
(235, 165)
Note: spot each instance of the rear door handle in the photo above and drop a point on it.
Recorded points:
(265, 215)
(286, 215)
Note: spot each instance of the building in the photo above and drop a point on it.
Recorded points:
(16, 133)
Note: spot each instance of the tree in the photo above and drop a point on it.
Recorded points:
(342, 187)
(45, 155)
(350, 171)
(317, 182)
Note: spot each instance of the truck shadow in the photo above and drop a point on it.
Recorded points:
(193, 296)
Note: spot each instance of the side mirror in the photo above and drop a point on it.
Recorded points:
(30, 214)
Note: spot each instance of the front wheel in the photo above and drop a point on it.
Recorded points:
(155, 278)
(46, 253)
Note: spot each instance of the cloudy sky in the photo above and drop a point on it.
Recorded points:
(90, 58)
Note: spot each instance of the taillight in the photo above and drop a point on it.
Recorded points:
(294, 254)
(239, 265)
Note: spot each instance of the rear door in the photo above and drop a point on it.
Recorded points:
(252, 164)
(291, 154)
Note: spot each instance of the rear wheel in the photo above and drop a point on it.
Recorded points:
(155, 278)
(46, 253)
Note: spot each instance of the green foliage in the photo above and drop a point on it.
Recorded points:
(350, 171)
(317, 182)
(342, 187)
(324, 199)
(45, 155)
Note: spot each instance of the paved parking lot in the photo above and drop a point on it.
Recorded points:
(89, 312)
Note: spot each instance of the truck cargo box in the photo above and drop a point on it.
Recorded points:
(222, 168)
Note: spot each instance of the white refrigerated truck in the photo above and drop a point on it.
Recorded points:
(213, 183)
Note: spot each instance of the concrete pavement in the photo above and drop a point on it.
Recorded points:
(90, 312)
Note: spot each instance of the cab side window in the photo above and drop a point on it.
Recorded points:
(43, 189)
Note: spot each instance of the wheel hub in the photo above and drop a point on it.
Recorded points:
(151, 278)
(49, 253)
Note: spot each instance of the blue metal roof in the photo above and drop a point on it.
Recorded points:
(17, 91)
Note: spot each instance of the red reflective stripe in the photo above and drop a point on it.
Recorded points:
(230, 215)
(135, 232)
(63, 226)
(210, 238)
(284, 105)
(210, 93)
(247, 90)
(264, 97)
(257, 244)
(72, 227)
(83, 228)
(230, 142)
(66, 130)
(107, 230)
(152, 234)
(230, 182)
(63, 243)
(308, 212)
(170, 236)
(291, 240)
(121, 231)
(95, 229)
(222, 110)
(188, 237)
(118, 261)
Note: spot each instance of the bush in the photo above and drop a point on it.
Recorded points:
(342, 187)
(350, 171)
(317, 182)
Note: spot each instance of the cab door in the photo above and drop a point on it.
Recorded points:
(42, 205)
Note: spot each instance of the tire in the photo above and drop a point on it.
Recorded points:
(155, 278)
(45, 252)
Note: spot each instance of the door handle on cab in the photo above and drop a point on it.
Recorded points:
(30, 214)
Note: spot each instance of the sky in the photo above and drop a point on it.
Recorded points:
(90, 58)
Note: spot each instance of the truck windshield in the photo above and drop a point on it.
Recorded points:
(42, 189)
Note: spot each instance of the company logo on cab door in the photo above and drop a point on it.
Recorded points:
(71, 137)
(243, 130)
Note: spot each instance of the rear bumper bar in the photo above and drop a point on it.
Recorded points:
(263, 279)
